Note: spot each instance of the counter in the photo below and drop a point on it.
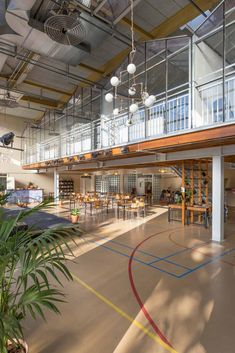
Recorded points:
(26, 195)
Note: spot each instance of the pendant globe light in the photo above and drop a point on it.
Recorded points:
(143, 97)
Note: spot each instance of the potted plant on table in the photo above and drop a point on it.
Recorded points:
(74, 215)
(27, 264)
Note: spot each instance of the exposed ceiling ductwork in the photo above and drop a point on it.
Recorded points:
(65, 29)
(50, 30)
(9, 100)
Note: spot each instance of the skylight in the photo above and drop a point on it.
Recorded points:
(196, 22)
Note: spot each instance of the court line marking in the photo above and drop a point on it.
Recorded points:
(159, 259)
(129, 318)
(136, 294)
(198, 251)
(135, 259)
(229, 251)
(162, 259)
(144, 252)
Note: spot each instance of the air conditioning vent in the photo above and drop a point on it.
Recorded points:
(8, 103)
(65, 29)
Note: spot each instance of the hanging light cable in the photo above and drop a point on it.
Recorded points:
(131, 68)
(143, 97)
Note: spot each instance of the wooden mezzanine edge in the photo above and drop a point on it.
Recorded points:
(213, 137)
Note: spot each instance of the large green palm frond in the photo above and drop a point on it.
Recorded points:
(32, 270)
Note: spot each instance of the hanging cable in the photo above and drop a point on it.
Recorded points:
(133, 49)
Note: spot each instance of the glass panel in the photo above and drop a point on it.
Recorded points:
(156, 78)
(178, 114)
(155, 122)
(178, 70)
(176, 44)
(130, 183)
(230, 99)
(215, 20)
(208, 58)
(230, 46)
(229, 4)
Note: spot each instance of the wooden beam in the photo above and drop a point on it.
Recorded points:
(109, 66)
(182, 17)
(199, 139)
(47, 88)
(166, 28)
(41, 101)
(90, 68)
(66, 95)
(144, 34)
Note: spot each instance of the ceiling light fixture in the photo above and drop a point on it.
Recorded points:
(143, 97)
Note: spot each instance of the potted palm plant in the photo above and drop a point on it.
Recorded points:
(4, 198)
(74, 215)
(27, 264)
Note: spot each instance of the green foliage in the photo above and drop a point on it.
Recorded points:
(75, 212)
(28, 265)
(4, 198)
(178, 198)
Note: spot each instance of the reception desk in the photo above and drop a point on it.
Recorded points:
(26, 195)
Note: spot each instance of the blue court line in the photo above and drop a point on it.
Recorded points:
(170, 262)
(146, 253)
(215, 258)
(134, 258)
(191, 270)
(182, 251)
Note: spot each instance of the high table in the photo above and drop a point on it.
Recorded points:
(205, 210)
(172, 207)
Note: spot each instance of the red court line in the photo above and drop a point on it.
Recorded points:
(136, 294)
(198, 251)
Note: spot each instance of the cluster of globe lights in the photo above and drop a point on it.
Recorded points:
(148, 100)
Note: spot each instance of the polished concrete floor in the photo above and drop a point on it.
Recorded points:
(145, 286)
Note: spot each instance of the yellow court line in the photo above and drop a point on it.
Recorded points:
(126, 316)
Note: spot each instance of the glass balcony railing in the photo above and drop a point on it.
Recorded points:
(165, 117)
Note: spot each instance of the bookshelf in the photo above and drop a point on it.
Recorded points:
(66, 188)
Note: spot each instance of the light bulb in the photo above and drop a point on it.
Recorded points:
(132, 91)
(150, 101)
(114, 81)
(152, 98)
(109, 97)
(133, 108)
(144, 95)
(131, 68)
(129, 122)
(115, 111)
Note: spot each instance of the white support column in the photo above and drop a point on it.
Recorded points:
(218, 198)
(93, 182)
(122, 187)
(56, 186)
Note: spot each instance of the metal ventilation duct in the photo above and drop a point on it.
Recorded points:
(65, 29)
(9, 100)
(31, 34)
(8, 103)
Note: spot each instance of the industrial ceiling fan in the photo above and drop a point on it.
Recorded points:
(64, 26)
